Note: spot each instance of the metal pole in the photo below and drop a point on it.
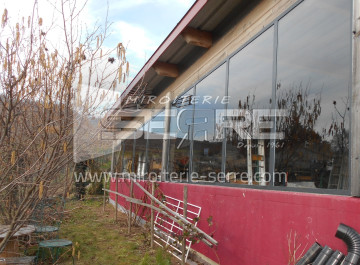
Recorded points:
(183, 245)
(152, 215)
(130, 208)
(166, 139)
(249, 162)
(355, 111)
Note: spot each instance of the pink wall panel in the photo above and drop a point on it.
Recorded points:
(252, 225)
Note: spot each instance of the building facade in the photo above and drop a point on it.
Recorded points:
(255, 106)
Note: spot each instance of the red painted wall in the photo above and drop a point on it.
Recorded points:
(252, 226)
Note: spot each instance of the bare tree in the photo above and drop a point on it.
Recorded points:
(45, 88)
(298, 126)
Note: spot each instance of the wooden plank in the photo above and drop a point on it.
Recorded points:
(27, 260)
(355, 108)
(129, 199)
(162, 211)
(182, 219)
(183, 244)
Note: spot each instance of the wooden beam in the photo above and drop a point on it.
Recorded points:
(169, 213)
(183, 244)
(197, 37)
(166, 69)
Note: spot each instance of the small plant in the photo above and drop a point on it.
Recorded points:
(294, 247)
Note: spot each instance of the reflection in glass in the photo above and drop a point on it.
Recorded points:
(140, 153)
(118, 156)
(180, 129)
(207, 149)
(155, 143)
(250, 90)
(313, 85)
(127, 162)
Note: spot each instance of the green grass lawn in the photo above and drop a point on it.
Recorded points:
(101, 240)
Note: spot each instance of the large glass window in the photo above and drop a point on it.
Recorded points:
(306, 88)
(250, 93)
(180, 131)
(313, 81)
(207, 141)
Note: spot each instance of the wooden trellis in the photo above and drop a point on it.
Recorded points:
(166, 229)
(173, 216)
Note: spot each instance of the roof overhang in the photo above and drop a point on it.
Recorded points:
(205, 23)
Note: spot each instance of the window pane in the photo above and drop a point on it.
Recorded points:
(140, 153)
(156, 134)
(250, 90)
(179, 153)
(313, 86)
(128, 155)
(207, 149)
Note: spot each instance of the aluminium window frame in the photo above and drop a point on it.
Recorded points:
(355, 102)
(275, 24)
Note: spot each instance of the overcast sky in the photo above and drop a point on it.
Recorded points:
(140, 24)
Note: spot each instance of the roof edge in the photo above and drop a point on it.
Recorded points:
(186, 19)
